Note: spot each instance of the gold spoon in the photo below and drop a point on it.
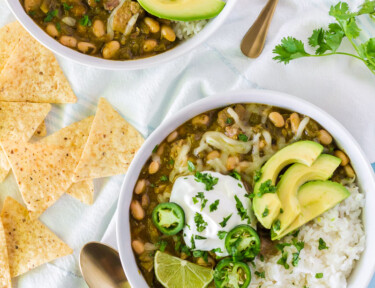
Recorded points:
(101, 267)
(253, 42)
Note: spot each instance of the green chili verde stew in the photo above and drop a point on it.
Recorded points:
(103, 28)
(182, 206)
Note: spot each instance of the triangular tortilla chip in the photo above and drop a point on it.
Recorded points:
(41, 131)
(111, 146)
(75, 135)
(10, 35)
(4, 261)
(30, 243)
(18, 122)
(83, 191)
(43, 172)
(32, 74)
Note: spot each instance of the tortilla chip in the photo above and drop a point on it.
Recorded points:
(75, 135)
(111, 145)
(43, 172)
(83, 191)
(18, 122)
(32, 74)
(30, 243)
(41, 131)
(4, 262)
(10, 35)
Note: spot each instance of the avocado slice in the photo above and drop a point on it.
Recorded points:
(315, 198)
(183, 10)
(304, 152)
(294, 177)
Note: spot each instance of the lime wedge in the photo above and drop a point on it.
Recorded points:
(174, 272)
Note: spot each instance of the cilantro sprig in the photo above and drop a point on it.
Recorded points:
(327, 41)
(207, 179)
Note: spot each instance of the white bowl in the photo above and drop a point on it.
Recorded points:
(55, 46)
(365, 267)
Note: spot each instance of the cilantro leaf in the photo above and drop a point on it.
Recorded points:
(155, 148)
(367, 8)
(289, 49)
(236, 175)
(50, 15)
(260, 274)
(197, 237)
(214, 205)
(242, 212)
(257, 175)
(85, 21)
(265, 212)
(164, 178)
(322, 244)
(351, 28)
(217, 250)
(202, 198)
(225, 220)
(203, 254)
(222, 234)
(67, 7)
(283, 260)
(162, 244)
(207, 179)
(319, 275)
(341, 11)
(243, 137)
(295, 259)
(266, 187)
(281, 246)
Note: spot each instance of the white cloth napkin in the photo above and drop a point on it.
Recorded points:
(341, 86)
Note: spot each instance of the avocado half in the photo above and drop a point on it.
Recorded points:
(304, 152)
(183, 10)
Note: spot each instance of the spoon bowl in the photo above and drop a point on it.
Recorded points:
(101, 266)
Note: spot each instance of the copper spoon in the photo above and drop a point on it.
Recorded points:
(101, 267)
(253, 42)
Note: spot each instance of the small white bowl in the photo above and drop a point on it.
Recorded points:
(55, 46)
(365, 267)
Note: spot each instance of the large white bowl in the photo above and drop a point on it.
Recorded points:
(182, 48)
(365, 267)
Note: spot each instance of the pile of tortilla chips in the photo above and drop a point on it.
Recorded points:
(64, 162)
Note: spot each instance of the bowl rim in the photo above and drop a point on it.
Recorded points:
(52, 44)
(364, 268)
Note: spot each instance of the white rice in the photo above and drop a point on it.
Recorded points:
(342, 230)
(186, 30)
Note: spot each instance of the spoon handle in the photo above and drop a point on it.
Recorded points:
(253, 42)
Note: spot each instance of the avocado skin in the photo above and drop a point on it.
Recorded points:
(304, 152)
(179, 10)
(295, 177)
(315, 198)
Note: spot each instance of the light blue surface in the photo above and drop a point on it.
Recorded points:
(148, 96)
(372, 284)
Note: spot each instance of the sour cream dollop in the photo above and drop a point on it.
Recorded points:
(187, 192)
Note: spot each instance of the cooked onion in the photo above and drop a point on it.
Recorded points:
(223, 143)
(69, 21)
(131, 23)
(301, 127)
